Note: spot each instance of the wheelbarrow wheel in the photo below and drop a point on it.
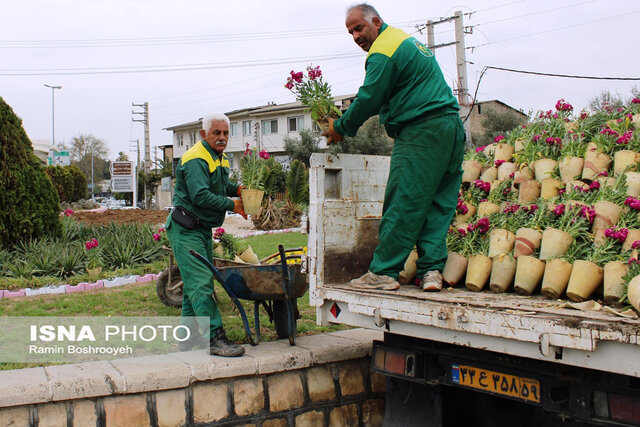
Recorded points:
(170, 293)
(280, 319)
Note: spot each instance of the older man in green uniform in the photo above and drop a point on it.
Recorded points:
(405, 86)
(201, 200)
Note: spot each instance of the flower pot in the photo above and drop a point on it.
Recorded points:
(503, 152)
(592, 147)
(471, 211)
(614, 271)
(489, 174)
(478, 272)
(529, 191)
(490, 150)
(599, 238)
(594, 163)
(633, 184)
(323, 124)
(503, 269)
(218, 251)
(570, 168)
(529, 272)
(471, 170)
(632, 236)
(505, 170)
(585, 278)
(454, 269)
(555, 243)
(500, 242)
(556, 278)
(251, 200)
(606, 181)
(249, 256)
(518, 145)
(522, 174)
(527, 241)
(624, 159)
(607, 214)
(571, 185)
(408, 273)
(543, 168)
(633, 292)
(570, 126)
(487, 208)
(550, 188)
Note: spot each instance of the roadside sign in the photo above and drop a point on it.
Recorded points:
(59, 158)
(165, 183)
(122, 169)
(122, 184)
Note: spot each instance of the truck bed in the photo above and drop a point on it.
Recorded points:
(346, 194)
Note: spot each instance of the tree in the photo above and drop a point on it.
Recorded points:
(496, 123)
(30, 203)
(122, 157)
(605, 98)
(69, 181)
(301, 149)
(370, 139)
(82, 148)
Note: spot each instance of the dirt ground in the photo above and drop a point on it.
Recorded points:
(233, 224)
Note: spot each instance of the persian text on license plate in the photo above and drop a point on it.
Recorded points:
(496, 382)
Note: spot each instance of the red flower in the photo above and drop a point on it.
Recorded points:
(499, 162)
(156, 237)
(218, 233)
(498, 138)
(68, 212)
(263, 154)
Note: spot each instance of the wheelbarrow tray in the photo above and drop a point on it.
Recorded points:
(261, 282)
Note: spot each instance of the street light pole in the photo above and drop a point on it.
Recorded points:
(53, 125)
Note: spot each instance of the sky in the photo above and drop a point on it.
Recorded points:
(187, 58)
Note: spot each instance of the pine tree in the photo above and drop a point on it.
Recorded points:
(29, 203)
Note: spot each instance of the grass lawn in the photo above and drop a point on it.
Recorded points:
(141, 300)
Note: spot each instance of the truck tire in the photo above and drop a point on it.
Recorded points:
(166, 295)
(280, 319)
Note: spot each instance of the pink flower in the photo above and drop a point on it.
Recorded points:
(68, 212)
(482, 185)
(588, 213)
(561, 105)
(635, 101)
(93, 243)
(156, 237)
(499, 162)
(559, 210)
(161, 230)
(480, 149)
(603, 173)
(625, 138)
(535, 138)
(635, 245)
(314, 73)
(618, 234)
(289, 84)
(218, 233)
(595, 185)
(633, 261)
(247, 150)
(498, 138)
(88, 245)
(296, 77)
(463, 232)
(263, 154)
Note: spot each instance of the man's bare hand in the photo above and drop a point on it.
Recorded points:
(332, 136)
(238, 208)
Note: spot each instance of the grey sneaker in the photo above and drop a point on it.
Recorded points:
(221, 346)
(371, 280)
(431, 281)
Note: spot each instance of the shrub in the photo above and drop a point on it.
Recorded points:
(298, 183)
(69, 181)
(30, 203)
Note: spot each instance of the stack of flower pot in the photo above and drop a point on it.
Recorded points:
(553, 208)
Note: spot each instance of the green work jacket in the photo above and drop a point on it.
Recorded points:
(403, 82)
(202, 185)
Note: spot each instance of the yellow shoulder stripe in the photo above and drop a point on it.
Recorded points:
(198, 151)
(388, 41)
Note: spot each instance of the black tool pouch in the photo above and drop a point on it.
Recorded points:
(185, 218)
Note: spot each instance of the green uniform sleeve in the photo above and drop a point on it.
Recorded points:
(232, 189)
(373, 94)
(196, 175)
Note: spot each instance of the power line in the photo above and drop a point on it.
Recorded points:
(534, 13)
(165, 68)
(495, 7)
(554, 29)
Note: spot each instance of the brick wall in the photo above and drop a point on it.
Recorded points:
(326, 381)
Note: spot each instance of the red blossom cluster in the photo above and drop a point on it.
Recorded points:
(551, 140)
(603, 173)
(247, 150)
(549, 115)
(68, 212)
(294, 78)
(633, 203)
(482, 185)
(93, 243)
(480, 149)
(635, 101)
(625, 138)
(482, 226)
(535, 138)
(562, 105)
(588, 213)
(619, 234)
(498, 138)
(314, 73)
(584, 115)
(559, 209)
(156, 236)
(218, 233)
(461, 207)
(263, 154)
(635, 244)
(511, 208)
(499, 162)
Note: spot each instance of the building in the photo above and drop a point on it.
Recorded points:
(481, 108)
(262, 128)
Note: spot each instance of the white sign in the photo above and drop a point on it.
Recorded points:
(122, 184)
(59, 158)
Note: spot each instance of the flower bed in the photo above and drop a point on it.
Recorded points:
(553, 207)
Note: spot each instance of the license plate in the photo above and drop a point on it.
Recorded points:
(527, 389)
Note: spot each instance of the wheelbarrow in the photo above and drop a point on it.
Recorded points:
(276, 287)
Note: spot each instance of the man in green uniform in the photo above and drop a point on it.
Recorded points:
(405, 86)
(201, 193)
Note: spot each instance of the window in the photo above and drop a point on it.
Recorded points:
(315, 127)
(179, 140)
(479, 109)
(246, 127)
(296, 124)
(269, 126)
(234, 128)
(192, 138)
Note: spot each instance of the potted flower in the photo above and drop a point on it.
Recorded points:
(607, 203)
(615, 266)
(93, 259)
(558, 270)
(472, 164)
(252, 177)
(476, 246)
(311, 90)
(631, 280)
(630, 220)
(565, 224)
(456, 265)
(503, 150)
(572, 161)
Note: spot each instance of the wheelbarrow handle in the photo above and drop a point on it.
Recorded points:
(230, 292)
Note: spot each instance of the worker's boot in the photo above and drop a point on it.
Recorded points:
(195, 340)
(431, 281)
(371, 280)
(221, 346)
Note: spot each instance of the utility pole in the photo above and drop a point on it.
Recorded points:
(462, 90)
(136, 148)
(147, 145)
(258, 136)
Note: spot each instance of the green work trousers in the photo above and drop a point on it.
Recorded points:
(197, 279)
(421, 195)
